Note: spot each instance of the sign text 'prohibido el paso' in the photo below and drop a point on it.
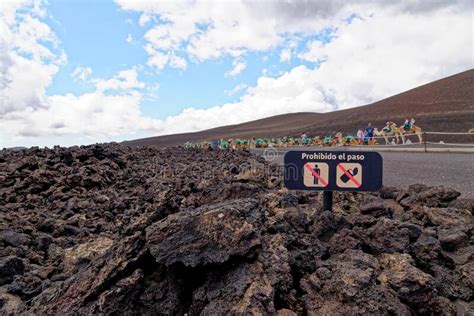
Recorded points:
(333, 170)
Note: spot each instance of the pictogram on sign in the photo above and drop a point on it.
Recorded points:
(316, 174)
(322, 170)
(349, 175)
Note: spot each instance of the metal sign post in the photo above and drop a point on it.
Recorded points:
(327, 201)
(330, 171)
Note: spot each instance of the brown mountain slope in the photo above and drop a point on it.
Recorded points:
(443, 105)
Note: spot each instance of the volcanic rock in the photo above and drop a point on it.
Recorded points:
(9, 267)
(206, 235)
(107, 229)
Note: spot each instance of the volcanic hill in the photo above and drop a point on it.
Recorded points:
(443, 105)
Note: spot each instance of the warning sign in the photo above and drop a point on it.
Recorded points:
(349, 175)
(316, 174)
(333, 170)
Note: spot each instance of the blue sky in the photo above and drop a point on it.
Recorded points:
(78, 72)
(94, 34)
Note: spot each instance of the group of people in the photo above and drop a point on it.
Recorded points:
(367, 134)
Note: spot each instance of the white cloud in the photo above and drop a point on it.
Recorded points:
(108, 113)
(236, 89)
(210, 29)
(91, 117)
(29, 56)
(388, 52)
(129, 38)
(205, 30)
(124, 80)
(390, 48)
(292, 92)
(81, 73)
(177, 62)
(287, 52)
(144, 19)
(285, 55)
(152, 92)
(29, 59)
(237, 67)
(159, 59)
(371, 58)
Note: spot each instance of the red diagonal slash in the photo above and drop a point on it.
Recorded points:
(349, 175)
(324, 183)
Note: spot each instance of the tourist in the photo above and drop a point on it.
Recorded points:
(360, 136)
(407, 124)
(369, 132)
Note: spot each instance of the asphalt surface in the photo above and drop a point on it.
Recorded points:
(401, 169)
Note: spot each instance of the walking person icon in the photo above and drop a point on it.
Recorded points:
(316, 174)
(318, 171)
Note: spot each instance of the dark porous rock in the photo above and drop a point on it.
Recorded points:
(113, 230)
(452, 238)
(465, 204)
(451, 284)
(13, 238)
(94, 281)
(414, 230)
(427, 251)
(464, 308)
(429, 196)
(9, 304)
(288, 200)
(84, 253)
(327, 223)
(412, 285)
(389, 192)
(351, 289)
(207, 235)
(431, 216)
(246, 288)
(46, 225)
(376, 208)
(343, 240)
(305, 251)
(9, 267)
(438, 196)
(296, 218)
(25, 286)
(386, 236)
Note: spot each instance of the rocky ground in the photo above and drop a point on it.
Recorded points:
(109, 229)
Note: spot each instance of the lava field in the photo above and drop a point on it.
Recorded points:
(107, 229)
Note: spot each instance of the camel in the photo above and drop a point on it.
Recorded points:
(329, 141)
(241, 144)
(413, 130)
(394, 132)
(340, 139)
(277, 142)
(351, 140)
(317, 141)
(291, 141)
(262, 142)
(373, 141)
(307, 141)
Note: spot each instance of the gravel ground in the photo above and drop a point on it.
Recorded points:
(454, 170)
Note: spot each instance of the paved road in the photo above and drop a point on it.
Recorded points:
(455, 170)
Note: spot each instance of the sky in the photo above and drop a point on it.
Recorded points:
(80, 72)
